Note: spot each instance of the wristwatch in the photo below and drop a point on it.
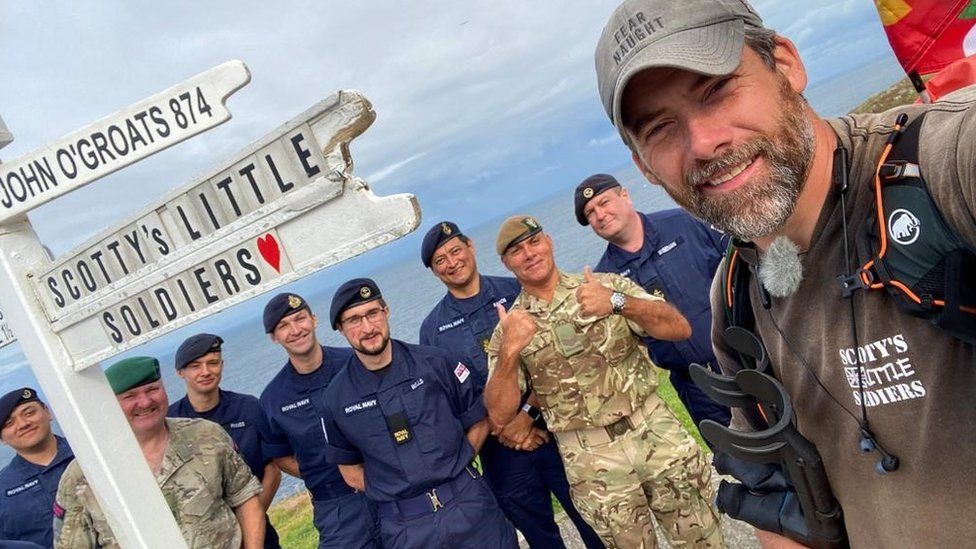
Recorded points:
(534, 413)
(617, 301)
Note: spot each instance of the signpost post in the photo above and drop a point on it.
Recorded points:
(83, 402)
(283, 208)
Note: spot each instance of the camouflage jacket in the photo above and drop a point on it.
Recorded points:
(202, 478)
(586, 371)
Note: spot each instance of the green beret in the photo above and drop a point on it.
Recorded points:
(131, 373)
(515, 229)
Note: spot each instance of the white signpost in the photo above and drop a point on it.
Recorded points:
(283, 208)
(6, 333)
(119, 139)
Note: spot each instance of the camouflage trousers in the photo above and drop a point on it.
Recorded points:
(654, 468)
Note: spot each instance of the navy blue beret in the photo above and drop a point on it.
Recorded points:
(195, 347)
(281, 306)
(435, 237)
(14, 399)
(589, 188)
(355, 292)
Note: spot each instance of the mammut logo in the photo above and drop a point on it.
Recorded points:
(903, 226)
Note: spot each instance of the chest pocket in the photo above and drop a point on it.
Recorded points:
(600, 333)
(18, 503)
(420, 406)
(548, 370)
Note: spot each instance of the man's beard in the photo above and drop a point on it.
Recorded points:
(375, 351)
(763, 204)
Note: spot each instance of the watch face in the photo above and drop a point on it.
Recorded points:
(617, 300)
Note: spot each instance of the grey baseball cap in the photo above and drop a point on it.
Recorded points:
(702, 36)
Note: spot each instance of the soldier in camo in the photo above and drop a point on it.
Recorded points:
(576, 341)
(209, 488)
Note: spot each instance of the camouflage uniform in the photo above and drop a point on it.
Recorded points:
(625, 452)
(200, 471)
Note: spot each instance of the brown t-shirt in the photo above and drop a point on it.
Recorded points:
(919, 383)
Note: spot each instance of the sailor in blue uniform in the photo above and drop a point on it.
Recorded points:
(404, 423)
(30, 481)
(200, 363)
(462, 323)
(343, 517)
(671, 255)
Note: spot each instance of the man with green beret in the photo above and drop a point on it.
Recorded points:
(208, 486)
(576, 341)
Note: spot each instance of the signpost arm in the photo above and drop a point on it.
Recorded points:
(85, 406)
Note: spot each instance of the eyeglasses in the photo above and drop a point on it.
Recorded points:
(357, 320)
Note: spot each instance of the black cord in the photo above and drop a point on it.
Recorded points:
(796, 354)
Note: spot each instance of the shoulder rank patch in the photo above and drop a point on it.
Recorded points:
(461, 372)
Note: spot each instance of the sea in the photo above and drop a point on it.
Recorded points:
(251, 359)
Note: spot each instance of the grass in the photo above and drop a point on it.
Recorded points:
(292, 516)
(902, 93)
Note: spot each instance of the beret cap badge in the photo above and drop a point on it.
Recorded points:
(27, 393)
(445, 228)
(364, 292)
(588, 192)
(294, 301)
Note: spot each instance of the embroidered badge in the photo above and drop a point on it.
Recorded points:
(461, 372)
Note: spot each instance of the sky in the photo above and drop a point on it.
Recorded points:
(480, 106)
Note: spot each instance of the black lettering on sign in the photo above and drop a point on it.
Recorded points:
(193, 233)
(162, 126)
(223, 271)
(165, 303)
(157, 235)
(97, 258)
(283, 185)
(303, 155)
(224, 184)
(204, 284)
(58, 298)
(113, 247)
(253, 275)
(114, 332)
(247, 172)
(129, 318)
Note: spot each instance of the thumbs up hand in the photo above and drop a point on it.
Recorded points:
(593, 297)
(518, 329)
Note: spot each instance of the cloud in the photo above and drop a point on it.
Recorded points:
(480, 95)
(611, 137)
(386, 171)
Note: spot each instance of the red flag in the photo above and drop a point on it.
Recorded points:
(929, 35)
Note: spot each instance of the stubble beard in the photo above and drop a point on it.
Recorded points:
(373, 351)
(764, 203)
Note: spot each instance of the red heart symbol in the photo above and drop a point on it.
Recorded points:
(268, 247)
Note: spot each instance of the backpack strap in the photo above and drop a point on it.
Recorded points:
(916, 257)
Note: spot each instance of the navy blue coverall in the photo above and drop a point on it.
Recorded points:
(677, 262)
(27, 499)
(343, 517)
(406, 424)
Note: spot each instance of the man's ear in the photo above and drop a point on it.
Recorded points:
(789, 63)
(642, 168)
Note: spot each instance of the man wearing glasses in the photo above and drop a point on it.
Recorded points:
(403, 423)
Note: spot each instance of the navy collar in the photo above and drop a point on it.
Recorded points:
(366, 382)
(651, 238)
(63, 453)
